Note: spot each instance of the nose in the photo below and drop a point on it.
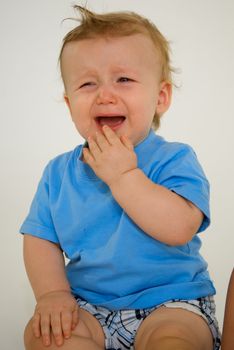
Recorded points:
(106, 95)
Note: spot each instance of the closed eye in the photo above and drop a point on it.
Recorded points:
(89, 83)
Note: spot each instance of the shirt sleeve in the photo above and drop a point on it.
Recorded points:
(39, 221)
(182, 174)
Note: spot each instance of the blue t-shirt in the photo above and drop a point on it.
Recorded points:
(111, 261)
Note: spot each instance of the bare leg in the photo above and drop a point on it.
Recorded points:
(170, 343)
(88, 335)
(173, 329)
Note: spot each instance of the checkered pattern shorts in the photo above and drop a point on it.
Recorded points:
(120, 327)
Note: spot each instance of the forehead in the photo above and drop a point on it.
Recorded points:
(136, 49)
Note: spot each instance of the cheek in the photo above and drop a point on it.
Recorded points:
(76, 111)
(146, 102)
(82, 122)
(151, 108)
(147, 110)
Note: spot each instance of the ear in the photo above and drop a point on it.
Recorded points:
(164, 97)
(66, 99)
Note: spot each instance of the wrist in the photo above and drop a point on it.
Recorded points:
(53, 292)
(124, 179)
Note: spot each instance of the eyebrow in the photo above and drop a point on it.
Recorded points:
(119, 69)
(77, 78)
(91, 73)
(116, 69)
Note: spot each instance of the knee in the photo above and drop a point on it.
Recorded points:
(169, 329)
(168, 342)
(29, 338)
(33, 343)
(168, 336)
(165, 335)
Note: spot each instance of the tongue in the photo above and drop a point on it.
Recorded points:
(110, 121)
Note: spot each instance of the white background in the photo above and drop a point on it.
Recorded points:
(36, 126)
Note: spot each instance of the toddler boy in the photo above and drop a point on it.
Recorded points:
(125, 208)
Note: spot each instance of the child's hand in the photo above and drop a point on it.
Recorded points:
(56, 314)
(110, 156)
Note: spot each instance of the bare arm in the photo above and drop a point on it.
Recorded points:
(44, 264)
(158, 211)
(228, 326)
(56, 309)
(161, 213)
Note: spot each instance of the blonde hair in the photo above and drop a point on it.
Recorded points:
(117, 24)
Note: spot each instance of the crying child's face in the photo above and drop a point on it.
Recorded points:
(115, 82)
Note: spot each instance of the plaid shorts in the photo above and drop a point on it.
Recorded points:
(120, 326)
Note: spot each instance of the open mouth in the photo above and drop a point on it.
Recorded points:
(111, 121)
